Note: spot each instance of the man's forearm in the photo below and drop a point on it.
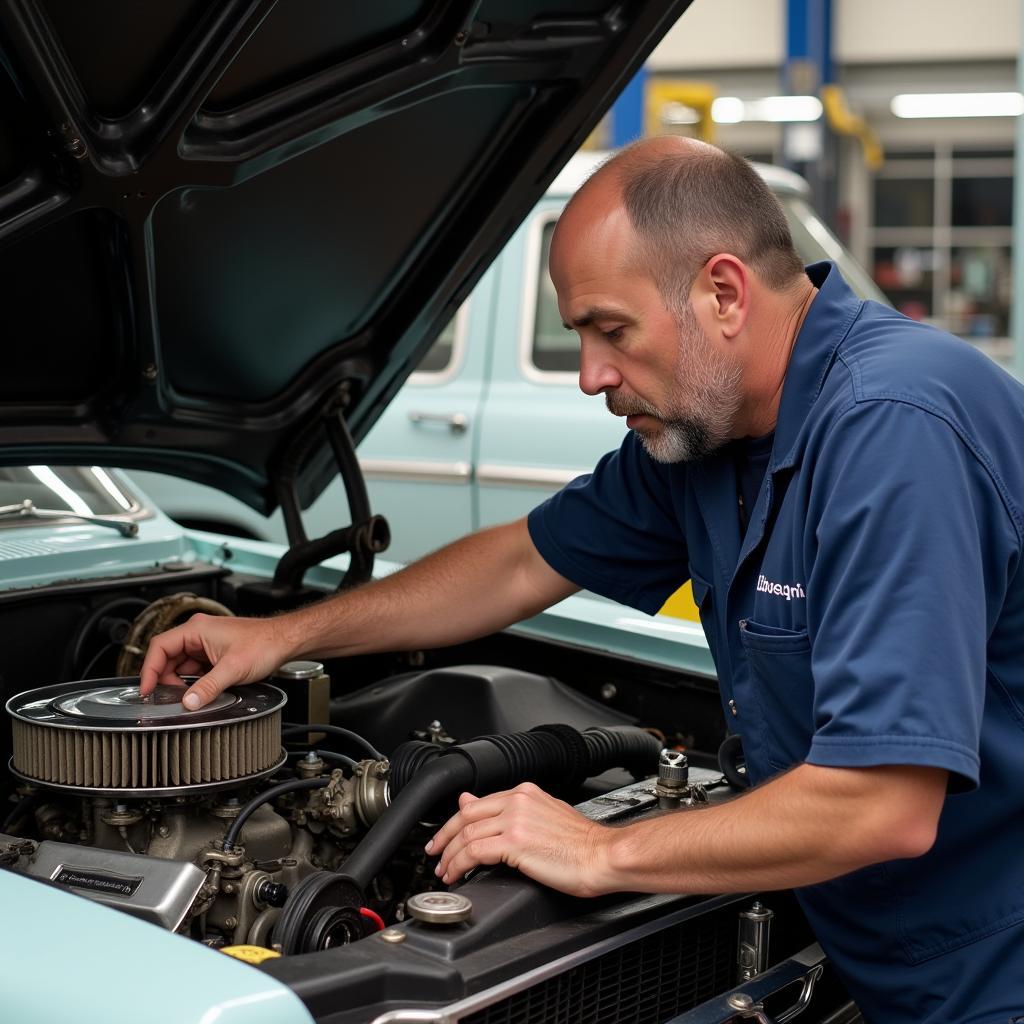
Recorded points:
(807, 826)
(475, 586)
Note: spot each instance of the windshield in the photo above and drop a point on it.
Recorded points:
(83, 490)
(813, 240)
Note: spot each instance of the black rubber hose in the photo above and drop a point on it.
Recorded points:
(627, 747)
(327, 755)
(421, 780)
(733, 763)
(437, 780)
(268, 794)
(364, 745)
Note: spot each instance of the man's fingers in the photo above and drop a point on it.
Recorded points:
(472, 834)
(218, 679)
(162, 659)
(472, 808)
(154, 666)
(480, 851)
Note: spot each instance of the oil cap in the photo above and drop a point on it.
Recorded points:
(439, 907)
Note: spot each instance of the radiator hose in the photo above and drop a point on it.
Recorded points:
(422, 775)
(322, 908)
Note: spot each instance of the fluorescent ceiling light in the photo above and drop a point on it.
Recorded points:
(732, 110)
(679, 113)
(958, 104)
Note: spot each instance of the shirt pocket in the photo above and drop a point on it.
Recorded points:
(781, 694)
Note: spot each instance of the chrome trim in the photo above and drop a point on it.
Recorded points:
(459, 345)
(805, 967)
(454, 1012)
(418, 471)
(527, 476)
(456, 422)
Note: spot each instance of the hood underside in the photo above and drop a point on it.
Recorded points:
(222, 222)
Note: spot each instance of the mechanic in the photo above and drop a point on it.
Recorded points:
(843, 487)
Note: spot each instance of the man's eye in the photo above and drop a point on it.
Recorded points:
(614, 334)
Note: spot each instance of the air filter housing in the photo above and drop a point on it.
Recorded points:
(102, 737)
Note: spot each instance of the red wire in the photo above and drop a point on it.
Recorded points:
(373, 916)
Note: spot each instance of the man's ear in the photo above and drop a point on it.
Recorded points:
(725, 283)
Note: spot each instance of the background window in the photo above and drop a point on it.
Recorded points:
(904, 202)
(982, 202)
(439, 355)
(941, 239)
(554, 348)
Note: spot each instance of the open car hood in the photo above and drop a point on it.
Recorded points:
(222, 223)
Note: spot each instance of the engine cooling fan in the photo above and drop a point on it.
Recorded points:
(103, 738)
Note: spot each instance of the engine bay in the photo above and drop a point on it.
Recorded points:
(205, 824)
(285, 823)
(219, 824)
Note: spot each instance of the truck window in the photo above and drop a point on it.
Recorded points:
(554, 349)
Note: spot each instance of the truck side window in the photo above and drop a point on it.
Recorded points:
(439, 355)
(554, 349)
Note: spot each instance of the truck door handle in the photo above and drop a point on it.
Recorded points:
(457, 422)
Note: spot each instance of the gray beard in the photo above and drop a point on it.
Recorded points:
(701, 408)
(679, 441)
(683, 439)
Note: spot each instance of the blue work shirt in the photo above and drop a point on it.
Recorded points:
(872, 614)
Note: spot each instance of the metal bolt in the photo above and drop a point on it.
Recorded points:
(163, 831)
(229, 887)
(150, 372)
(435, 726)
(230, 922)
(609, 691)
(392, 935)
(460, 38)
(76, 147)
(740, 1001)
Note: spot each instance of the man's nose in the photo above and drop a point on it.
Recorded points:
(597, 372)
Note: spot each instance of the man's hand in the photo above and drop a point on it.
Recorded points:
(528, 830)
(223, 651)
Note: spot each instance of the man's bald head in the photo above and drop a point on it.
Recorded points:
(686, 201)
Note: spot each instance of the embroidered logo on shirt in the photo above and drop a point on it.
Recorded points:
(786, 590)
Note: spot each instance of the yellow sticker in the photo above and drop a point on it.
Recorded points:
(250, 954)
(680, 605)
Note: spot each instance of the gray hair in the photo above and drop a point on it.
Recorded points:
(688, 205)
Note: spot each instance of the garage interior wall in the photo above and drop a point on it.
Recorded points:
(933, 224)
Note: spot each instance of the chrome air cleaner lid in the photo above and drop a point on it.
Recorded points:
(101, 736)
(117, 704)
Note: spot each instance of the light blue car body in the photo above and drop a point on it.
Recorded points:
(100, 980)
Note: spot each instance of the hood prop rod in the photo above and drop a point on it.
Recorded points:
(367, 536)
